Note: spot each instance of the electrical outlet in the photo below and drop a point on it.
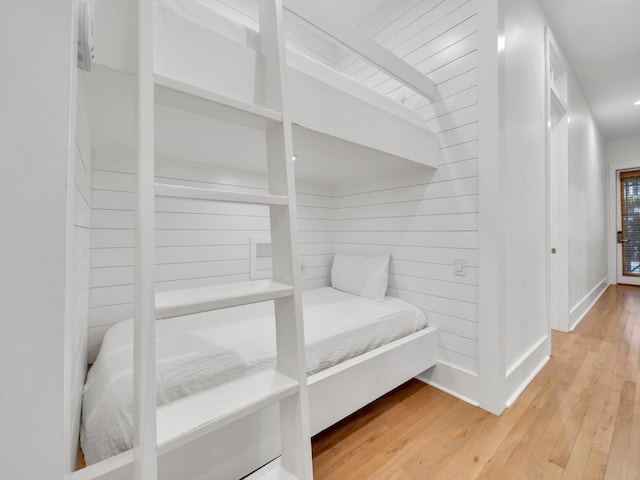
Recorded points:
(460, 266)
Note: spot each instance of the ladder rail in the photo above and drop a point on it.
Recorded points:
(144, 367)
(294, 411)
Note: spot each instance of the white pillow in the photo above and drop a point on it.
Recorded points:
(364, 275)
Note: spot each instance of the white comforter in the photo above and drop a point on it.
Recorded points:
(199, 351)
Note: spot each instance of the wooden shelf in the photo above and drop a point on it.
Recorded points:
(177, 191)
(175, 303)
(180, 95)
(272, 471)
(194, 416)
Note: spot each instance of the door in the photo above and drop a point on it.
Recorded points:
(557, 189)
(559, 225)
(628, 228)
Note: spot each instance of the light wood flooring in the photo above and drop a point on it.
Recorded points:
(578, 419)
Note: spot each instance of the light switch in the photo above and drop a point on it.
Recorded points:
(460, 266)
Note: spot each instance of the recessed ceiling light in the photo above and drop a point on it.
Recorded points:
(294, 157)
(637, 104)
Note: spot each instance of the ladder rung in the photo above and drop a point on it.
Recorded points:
(175, 303)
(194, 416)
(179, 191)
(272, 471)
(204, 102)
(104, 467)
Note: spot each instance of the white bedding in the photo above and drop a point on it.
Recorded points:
(199, 351)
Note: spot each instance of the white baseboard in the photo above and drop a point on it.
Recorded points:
(578, 312)
(454, 381)
(520, 374)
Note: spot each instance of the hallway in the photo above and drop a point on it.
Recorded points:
(578, 419)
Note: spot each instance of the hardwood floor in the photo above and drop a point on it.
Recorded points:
(578, 419)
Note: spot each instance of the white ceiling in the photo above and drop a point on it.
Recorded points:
(601, 41)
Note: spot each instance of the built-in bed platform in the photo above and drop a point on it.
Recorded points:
(216, 70)
(212, 66)
(357, 350)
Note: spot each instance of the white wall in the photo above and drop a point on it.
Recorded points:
(426, 222)
(198, 243)
(588, 197)
(623, 151)
(440, 39)
(524, 188)
(36, 131)
(522, 183)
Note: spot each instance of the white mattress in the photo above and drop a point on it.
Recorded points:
(199, 351)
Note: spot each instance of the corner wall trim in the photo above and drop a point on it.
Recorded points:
(454, 381)
(578, 312)
(523, 371)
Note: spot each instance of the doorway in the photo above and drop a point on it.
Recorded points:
(628, 227)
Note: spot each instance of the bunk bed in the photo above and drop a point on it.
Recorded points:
(200, 351)
(224, 76)
(323, 100)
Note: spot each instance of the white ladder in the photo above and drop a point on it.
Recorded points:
(286, 384)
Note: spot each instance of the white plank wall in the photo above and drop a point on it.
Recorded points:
(78, 330)
(426, 226)
(198, 243)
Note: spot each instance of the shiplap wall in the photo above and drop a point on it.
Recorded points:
(198, 242)
(427, 225)
(81, 200)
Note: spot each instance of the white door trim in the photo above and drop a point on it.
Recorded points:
(614, 168)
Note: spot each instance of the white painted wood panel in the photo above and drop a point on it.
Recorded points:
(462, 292)
(402, 208)
(432, 303)
(436, 255)
(454, 325)
(458, 344)
(457, 360)
(123, 237)
(430, 58)
(425, 226)
(433, 271)
(456, 170)
(199, 242)
(460, 151)
(465, 80)
(423, 223)
(459, 240)
(446, 104)
(464, 186)
(454, 118)
(457, 135)
(419, 22)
